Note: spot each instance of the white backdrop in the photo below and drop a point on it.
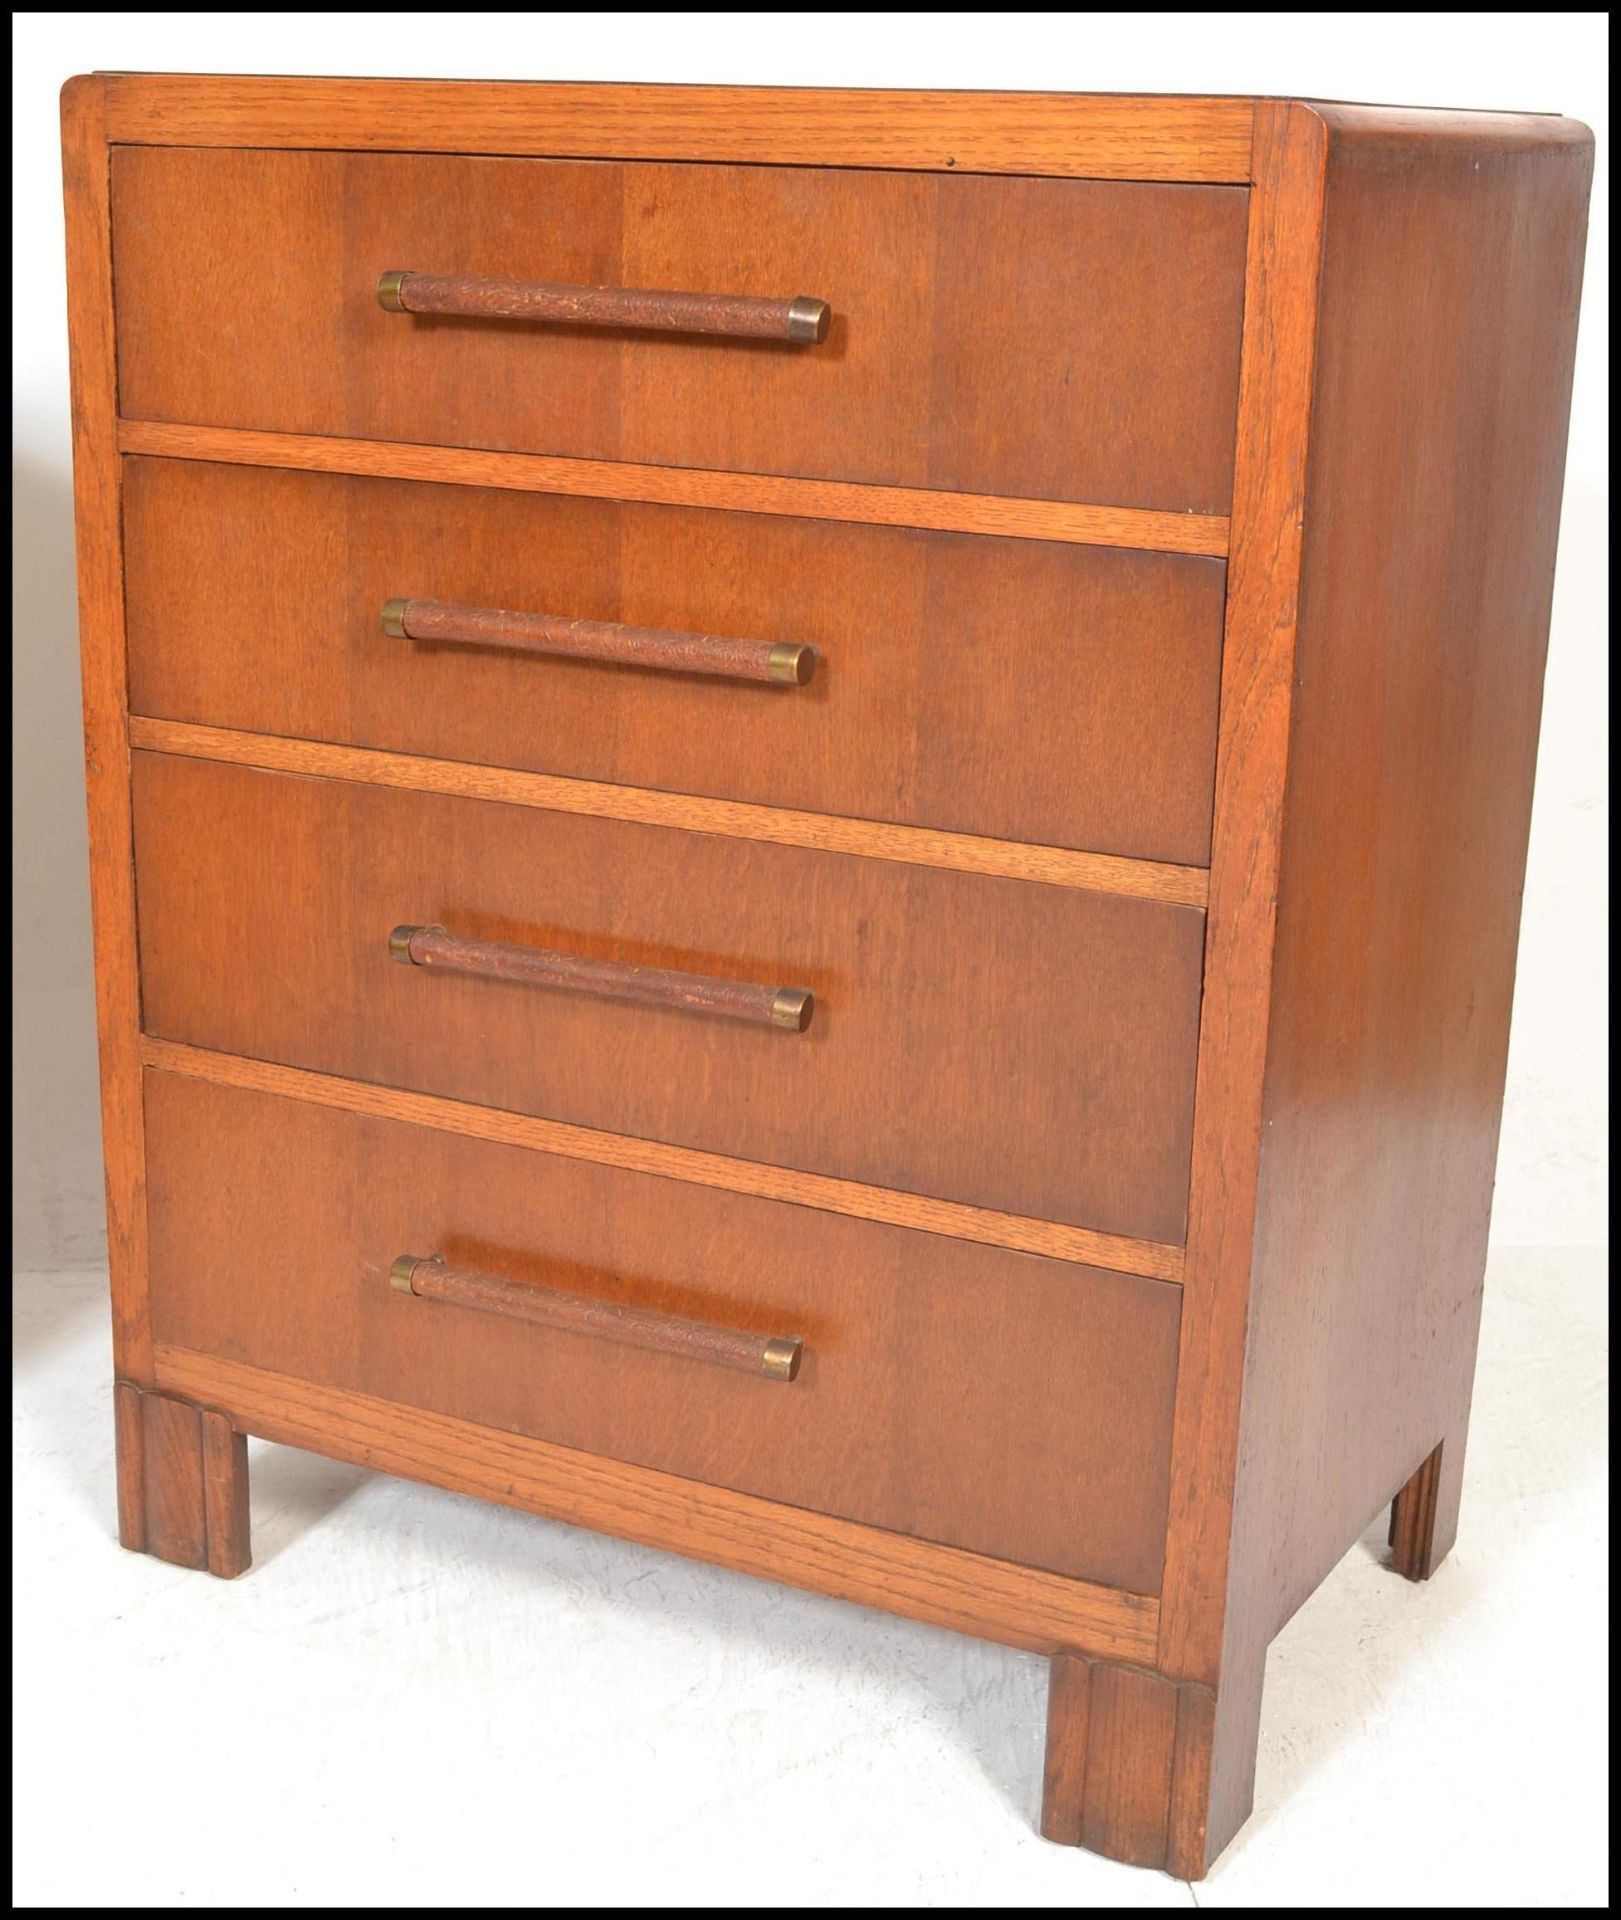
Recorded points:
(1551, 1176)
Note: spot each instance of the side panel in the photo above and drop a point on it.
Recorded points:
(1452, 271)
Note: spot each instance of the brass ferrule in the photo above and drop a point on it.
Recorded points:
(780, 1360)
(403, 1272)
(394, 618)
(399, 944)
(791, 1008)
(807, 320)
(791, 663)
(388, 290)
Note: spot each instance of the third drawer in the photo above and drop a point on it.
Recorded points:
(1016, 1046)
(1023, 689)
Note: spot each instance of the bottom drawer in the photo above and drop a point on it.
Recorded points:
(1016, 1406)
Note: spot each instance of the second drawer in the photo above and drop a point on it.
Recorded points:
(1025, 689)
(1016, 1046)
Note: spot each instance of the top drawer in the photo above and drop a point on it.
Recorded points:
(1051, 339)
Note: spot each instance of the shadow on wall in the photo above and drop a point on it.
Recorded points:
(58, 1218)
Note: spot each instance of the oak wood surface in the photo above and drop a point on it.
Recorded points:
(929, 280)
(182, 1482)
(967, 1592)
(1204, 1637)
(1033, 691)
(1374, 798)
(872, 840)
(1096, 136)
(1063, 1777)
(1413, 1516)
(106, 750)
(266, 905)
(1451, 283)
(1086, 524)
(915, 1348)
(129, 1438)
(1252, 749)
(1126, 1765)
(1398, 406)
(1151, 1259)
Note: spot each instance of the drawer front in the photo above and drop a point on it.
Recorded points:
(1017, 1046)
(1024, 689)
(273, 1224)
(1056, 339)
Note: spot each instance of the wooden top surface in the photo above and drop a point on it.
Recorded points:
(1166, 137)
(1101, 136)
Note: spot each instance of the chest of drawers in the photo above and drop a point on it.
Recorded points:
(807, 813)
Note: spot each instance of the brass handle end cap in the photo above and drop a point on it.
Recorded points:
(781, 1358)
(388, 290)
(808, 320)
(791, 1009)
(403, 1271)
(792, 664)
(399, 944)
(393, 617)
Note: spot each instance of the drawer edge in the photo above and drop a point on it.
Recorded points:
(965, 1592)
(1123, 874)
(890, 1206)
(866, 502)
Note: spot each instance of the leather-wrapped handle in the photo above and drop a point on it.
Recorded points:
(429, 1277)
(433, 948)
(739, 316)
(787, 663)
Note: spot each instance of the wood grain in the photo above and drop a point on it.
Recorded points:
(182, 1482)
(1413, 322)
(1017, 444)
(916, 1211)
(1130, 1742)
(1413, 1515)
(969, 1593)
(914, 1348)
(1095, 136)
(1041, 692)
(921, 507)
(130, 1445)
(1449, 299)
(225, 1496)
(1286, 239)
(953, 852)
(941, 993)
(1127, 1765)
(96, 507)
(928, 279)
(1063, 1776)
(1274, 408)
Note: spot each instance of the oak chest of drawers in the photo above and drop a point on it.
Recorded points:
(807, 813)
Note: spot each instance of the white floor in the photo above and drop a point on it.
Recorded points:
(415, 1700)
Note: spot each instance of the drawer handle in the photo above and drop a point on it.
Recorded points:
(772, 1356)
(784, 664)
(743, 316)
(786, 1007)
